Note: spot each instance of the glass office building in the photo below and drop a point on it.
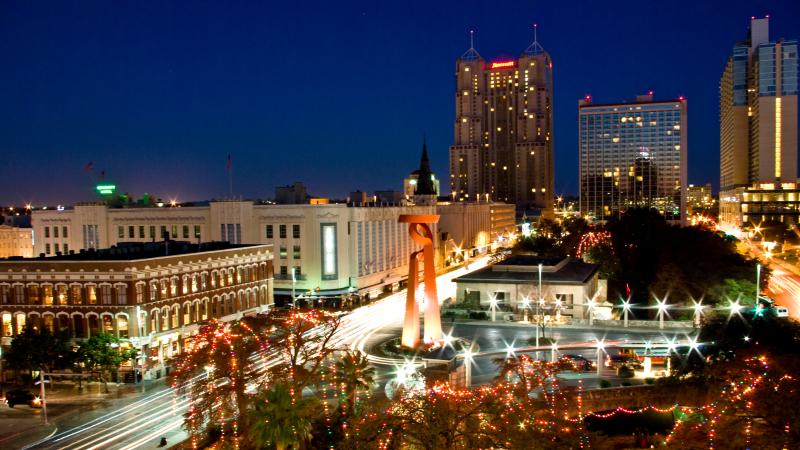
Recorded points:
(632, 155)
(758, 130)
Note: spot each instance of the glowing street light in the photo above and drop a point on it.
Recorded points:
(662, 310)
(698, 312)
(601, 345)
(510, 350)
(694, 345)
(493, 306)
(591, 304)
(468, 367)
(735, 308)
(526, 303)
(447, 339)
(626, 308)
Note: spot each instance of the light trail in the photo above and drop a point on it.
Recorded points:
(161, 409)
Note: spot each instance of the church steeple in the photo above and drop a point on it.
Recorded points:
(425, 175)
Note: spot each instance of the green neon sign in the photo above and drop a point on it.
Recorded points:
(106, 189)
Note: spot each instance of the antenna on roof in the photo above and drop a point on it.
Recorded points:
(471, 54)
(535, 48)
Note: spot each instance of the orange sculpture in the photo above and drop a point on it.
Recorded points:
(420, 232)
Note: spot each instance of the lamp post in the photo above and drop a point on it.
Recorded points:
(294, 282)
(626, 308)
(42, 395)
(538, 304)
(758, 281)
(493, 306)
(525, 305)
(468, 367)
(591, 304)
(698, 311)
(600, 346)
(662, 310)
(735, 308)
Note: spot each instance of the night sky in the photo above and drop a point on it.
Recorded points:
(335, 94)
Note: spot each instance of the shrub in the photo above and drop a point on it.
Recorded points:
(625, 372)
(478, 315)
(605, 383)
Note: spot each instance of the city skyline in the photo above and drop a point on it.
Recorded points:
(200, 86)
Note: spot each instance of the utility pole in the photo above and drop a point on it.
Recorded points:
(538, 303)
(758, 281)
(294, 282)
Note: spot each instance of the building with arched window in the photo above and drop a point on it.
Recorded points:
(153, 296)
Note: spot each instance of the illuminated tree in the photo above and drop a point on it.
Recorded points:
(279, 418)
(535, 411)
(303, 341)
(354, 374)
(213, 373)
(225, 362)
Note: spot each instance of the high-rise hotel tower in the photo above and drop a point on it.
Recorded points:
(758, 130)
(633, 155)
(503, 143)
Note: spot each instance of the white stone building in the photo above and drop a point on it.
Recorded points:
(335, 250)
(567, 285)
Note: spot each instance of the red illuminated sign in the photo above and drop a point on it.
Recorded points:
(503, 65)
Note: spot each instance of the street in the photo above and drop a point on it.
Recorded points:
(784, 284)
(143, 422)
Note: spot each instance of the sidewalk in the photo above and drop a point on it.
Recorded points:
(22, 425)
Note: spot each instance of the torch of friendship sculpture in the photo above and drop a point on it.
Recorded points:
(420, 231)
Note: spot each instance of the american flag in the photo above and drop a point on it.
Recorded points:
(88, 167)
(229, 164)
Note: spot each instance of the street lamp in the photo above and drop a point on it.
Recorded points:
(510, 350)
(626, 308)
(601, 345)
(735, 308)
(758, 280)
(662, 311)
(468, 367)
(526, 303)
(493, 305)
(698, 311)
(590, 306)
(447, 340)
(294, 283)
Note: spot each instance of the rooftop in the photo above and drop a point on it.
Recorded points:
(131, 251)
(521, 269)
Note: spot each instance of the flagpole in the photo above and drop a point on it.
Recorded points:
(229, 167)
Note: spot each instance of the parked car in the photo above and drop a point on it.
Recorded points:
(576, 362)
(22, 397)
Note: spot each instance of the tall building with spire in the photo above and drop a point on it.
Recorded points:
(503, 140)
(758, 130)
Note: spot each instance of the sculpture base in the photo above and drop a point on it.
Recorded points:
(392, 349)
